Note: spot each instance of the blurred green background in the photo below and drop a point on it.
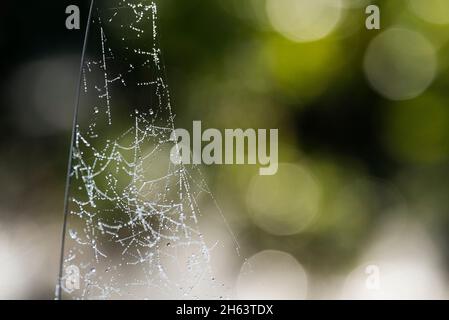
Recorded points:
(363, 119)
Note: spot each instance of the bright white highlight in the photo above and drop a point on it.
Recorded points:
(304, 20)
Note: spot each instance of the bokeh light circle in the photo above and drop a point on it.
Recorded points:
(400, 64)
(396, 280)
(304, 20)
(272, 274)
(284, 203)
(48, 106)
(433, 11)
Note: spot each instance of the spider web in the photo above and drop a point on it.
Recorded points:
(132, 219)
